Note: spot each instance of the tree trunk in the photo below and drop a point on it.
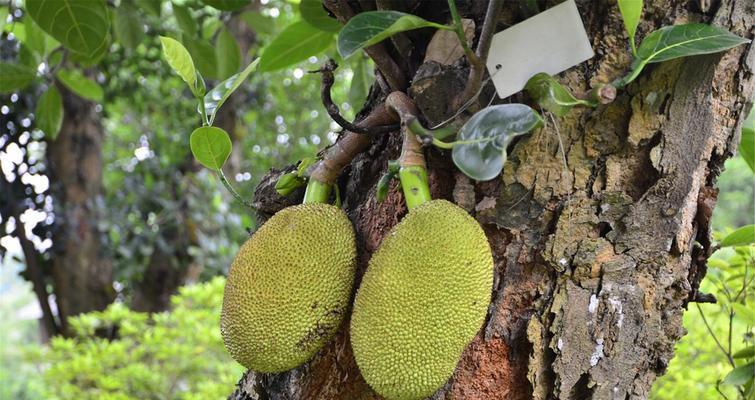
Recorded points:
(82, 274)
(595, 251)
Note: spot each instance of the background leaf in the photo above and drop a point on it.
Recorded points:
(631, 10)
(360, 82)
(368, 28)
(34, 36)
(744, 313)
(480, 149)
(219, 94)
(740, 375)
(296, 43)
(81, 26)
(313, 13)
(551, 95)
(179, 59)
(226, 5)
(742, 236)
(259, 23)
(128, 29)
(49, 112)
(15, 76)
(747, 141)
(185, 20)
(80, 84)
(747, 352)
(203, 54)
(227, 54)
(211, 146)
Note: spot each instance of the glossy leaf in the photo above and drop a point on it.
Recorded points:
(211, 146)
(203, 55)
(296, 43)
(384, 186)
(313, 13)
(49, 112)
(219, 94)
(747, 141)
(179, 59)
(740, 375)
(81, 26)
(185, 20)
(226, 5)
(631, 10)
(480, 149)
(747, 352)
(740, 237)
(127, 26)
(15, 76)
(368, 28)
(551, 95)
(676, 41)
(259, 23)
(360, 82)
(80, 84)
(227, 54)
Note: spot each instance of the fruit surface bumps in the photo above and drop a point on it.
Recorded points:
(289, 287)
(422, 300)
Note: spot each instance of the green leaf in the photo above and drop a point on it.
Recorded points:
(480, 149)
(211, 146)
(153, 7)
(313, 12)
(219, 94)
(747, 141)
(740, 375)
(296, 43)
(127, 26)
(203, 54)
(304, 164)
(259, 23)
(360, 82)
(81, 26)
(15, 76)
(676, 41)
(744, 314)
(185, 20)
(80, 84)
(371, 27)
(227, 54)
(384, 186)
(34, 36)
(551, 96)
(742, 236)
(49, 112)
(631, 10)
(179, 59)
(288, 183)
(747, 352)
(4, 11)
(226, 5)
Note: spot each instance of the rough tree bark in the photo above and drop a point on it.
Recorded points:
(82, 274)
(597, 253)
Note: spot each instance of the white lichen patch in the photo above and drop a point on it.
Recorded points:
(593, 306)
(598, 353)
(618, 308)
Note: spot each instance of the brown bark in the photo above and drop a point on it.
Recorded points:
(594, 250)
(82, 274)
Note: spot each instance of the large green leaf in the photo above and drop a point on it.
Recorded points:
(127, 25)
(203, 54)
(676, 41)
(211, 146)
(227, 54)
(226, 5)
(740, 237)
(371, 27)
(740, 375)
(219, 94)
(185, 20)
(551, 96)
(179, 59)
(313, 13)
(15, 76)
(296, 43)
(631, 10)
(80, 84)
(260, 24)
(34, 36)
(480, 149)
(747, 141)
(49, 112)
(81, 26)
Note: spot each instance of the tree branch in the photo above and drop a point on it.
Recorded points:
(327, 83)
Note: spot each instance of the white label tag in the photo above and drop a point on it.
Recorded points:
(549, 42)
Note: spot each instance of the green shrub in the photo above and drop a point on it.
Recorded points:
(171, 355)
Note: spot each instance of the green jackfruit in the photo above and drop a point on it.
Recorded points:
(422, 300)
(289, 287)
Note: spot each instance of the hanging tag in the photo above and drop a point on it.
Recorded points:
(549, 42)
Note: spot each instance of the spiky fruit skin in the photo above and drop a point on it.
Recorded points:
(289, 287)
(422, 300)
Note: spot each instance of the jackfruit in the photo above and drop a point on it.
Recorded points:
(422, 300)
(289, 287)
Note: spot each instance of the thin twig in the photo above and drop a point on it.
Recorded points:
(459, 29)
(710, 331)
(328, 79)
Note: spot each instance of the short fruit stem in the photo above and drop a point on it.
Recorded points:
(414, 183)
(317, 192)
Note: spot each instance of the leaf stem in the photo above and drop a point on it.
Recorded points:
(459, 29)
(233, 191)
